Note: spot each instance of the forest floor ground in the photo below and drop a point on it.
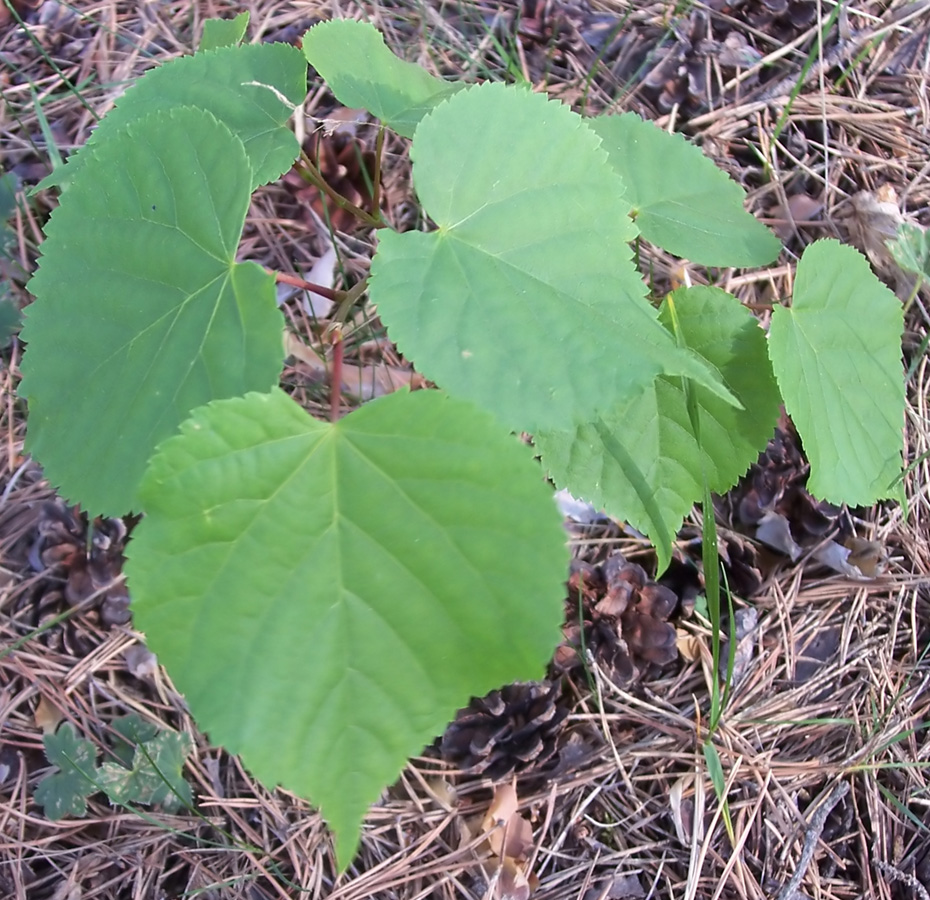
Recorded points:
(823, 115)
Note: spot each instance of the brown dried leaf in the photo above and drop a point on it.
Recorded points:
(510, 841)
(868, 557)
(509, 834)
(140, 661)
(856, 557)
(503, 807)
(47, 716)
(682, 810)
(689, 645)
(513, 882)
(874, 220)
(365, 382)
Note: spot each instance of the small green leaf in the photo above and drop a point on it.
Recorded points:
(65, 792)
(141, 311)
(529, 273)
(911, 249)
(715, 770)
(165, 756)
(156, 775)
(641, 462)
(253, 90)
(362, 72)
(223, 32)
(327, 595)
(681, 200)
(837, 357)
(132, 730)
(718, 779)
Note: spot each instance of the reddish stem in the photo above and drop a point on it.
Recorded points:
(376, 184)
(335, 378)
(314, 176)
(328, 293)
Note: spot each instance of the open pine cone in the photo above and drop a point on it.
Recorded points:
(62, 545)
(741, 563)
(347, 165)
(622, 621)
(784, 20)
(772, 502)
(508, 731)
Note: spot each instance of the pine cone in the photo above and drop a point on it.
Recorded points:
(773, 503)
(783, 20)
(509, 731)
(592, 540)
(679, 76)
(62, 544)
(684, 579)
(544, 23)
(623, 620)
(702, 48)
(741, 563)
(347, 166)
(738, 556)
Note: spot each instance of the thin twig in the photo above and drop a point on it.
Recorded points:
(811, 836)
(891, 873)
(296, 281)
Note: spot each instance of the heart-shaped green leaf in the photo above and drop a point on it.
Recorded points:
(252, 89)
(837, 356)
(681, 200)
(326, 596)
(141, 311)
(641, 461)
(529, 272)
(362, 72)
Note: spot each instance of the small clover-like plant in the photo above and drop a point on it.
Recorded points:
(327, 594)
(65, 792)
(149, 770)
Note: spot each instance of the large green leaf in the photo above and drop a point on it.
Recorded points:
(326, 596)
(141, 313)
(252, 89)
(525, 300)
(640, 461)
(837, 357)
(362, 72)
(681, 200)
